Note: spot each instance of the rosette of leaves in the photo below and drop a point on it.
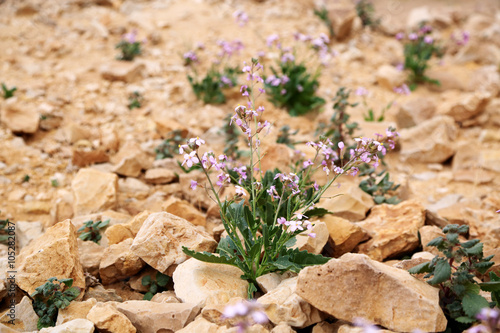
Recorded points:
(8, 93)
(454, 272)
(265, 246)
(129, 50)
(380, 190)
(210, 88)
(91, 231)
(298, 93)
(50, 297)
(157, 285)
(169, 147)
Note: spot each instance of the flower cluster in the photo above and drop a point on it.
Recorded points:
(248, 312)
(490, 321)
(241, 17)
(129, 46)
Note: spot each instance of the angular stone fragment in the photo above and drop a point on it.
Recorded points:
(119, 232)
(75, 310)
(94, 191)
(393, 228)
(119, 262)
(108, 319)
(390, 77)
(165, 297)
(464, 106)
(203, 283)
(428, 233)
(313, 244)
(25, 318)
(352, 204)
(283, 304)
(184, 209)
(431, 141)
(90, 256)
(343, 235)
(130, 160)
(160, 240)
(20, 118)
(384, 295)
(200, 324)
(74, 326)
(126, 71)
(415, 111)
(160, 176)
(36, 261)
(151, 317)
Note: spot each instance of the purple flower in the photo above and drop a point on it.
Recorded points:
(428, 40)
(241, 17)
(287, 57)
(130, 37)
(190, 159)
(361, 91)
(413, 36)
(400, 66)
(194, 184)
(190, 57)
(403, 90)
(272, 39)
(487, 314)
(400, 35)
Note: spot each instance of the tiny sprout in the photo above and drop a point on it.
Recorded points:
(26, 178)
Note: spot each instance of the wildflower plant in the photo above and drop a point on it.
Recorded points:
(220, 76)
(292, 85)
(322, 14)
(490, 321)
(169, 147)
(8, 93)
(455, 275)
(247, 313)
(50, 297)
(129, 46)
(270, 209)
(157, 285)
(135, 100)
(91, 231)
(419, 47)
(366, 12)
(4, 230)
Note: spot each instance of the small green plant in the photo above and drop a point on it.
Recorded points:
(454, 272)
(366, 12)
(169, 147)
(90, 231)
(26, 178)
(129, 47)
(379, 186)
(54, 183)
(50, 297)
(8, 93)
(4, 236)
(285, 136)
(322, 14)
(261, 232)
(135, 100)
(418, 50)
(155, 286)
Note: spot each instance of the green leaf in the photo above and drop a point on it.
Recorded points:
(146, 280)
(465, 320)
(153, 288)
(317, 212)
(490, 286)
(67, 282)
(148, 296)
(209, 257)
(436, 241)
(475, 250)
(73, 292)
(421, 268)
(470, 243)
(442, 272)
(162, 279)
(473, 303)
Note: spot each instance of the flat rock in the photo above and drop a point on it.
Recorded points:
(343, 234)
(203, 283)
(395, 299)
(463, 106)
(36, 261)
(184, 209)
(313, 244)
(126, 71)
(390, 77)
(160, 176)
(94, 191)
(393, 228)
(160, 240)
(90, 256)
(102, 295)
(25, 317)
(120, 232)
(74, 326)
(428, 233)
(75, 310)
(108, 319)
(431, 141)
(27, 231)
(415, 111)
(283, 304)
(20, 118)
(200, 324)
(119, 262)
(131, 160)
(352, 204)
(151, 317)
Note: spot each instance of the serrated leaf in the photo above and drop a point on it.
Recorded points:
(465, 320)
(473, 303)
(162, 279)
(475, 250)
(436, 241)
(442, 272)
(421, 268)
(490, 286)
(153, 288)
(470, 243)
(67, 282)
(452, 237)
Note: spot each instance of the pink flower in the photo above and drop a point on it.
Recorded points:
(428, 40)
(413, 36)
(402, 90)
(241, 17)
(361, 91)
(190, 159)
(240, 191)
(400, 35)
(194, 184)
(282, 221)
(312, 235)
(341, 145)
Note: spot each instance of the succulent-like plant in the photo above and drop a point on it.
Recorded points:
(90, 231)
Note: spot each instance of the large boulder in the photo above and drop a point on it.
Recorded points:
(354, 286)
(37, 260)
(160, 240)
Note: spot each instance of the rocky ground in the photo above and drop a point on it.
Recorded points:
(72, 151)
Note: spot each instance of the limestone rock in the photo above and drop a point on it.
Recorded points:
(36, 261)
(20, 118)
(393, 228)
(395, 299)
(131, 160)
(133, 187)
(343, 16)
(119, 262)
(485, 79)
(200, 324)
(90, 256)
(160, 240)
(197, 198)
(343, 234)
(102, 295)
(282, 328)
(160, 176)
(275, 155)
(74, 326)
(463, 106)
(120, 232)
(270, 281)
(184, 209)
(165, 297)
(352, 204)
(127, 71)
(151, 317)
(85, 157)
(313, 244)
(283, 304)
(25, 317)
(27, 231)
(428, 233)
(390, 77)
(415, 111)
(431, 141)
(75, 310)
(108, 319)
(203, 283)
(94, 191)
